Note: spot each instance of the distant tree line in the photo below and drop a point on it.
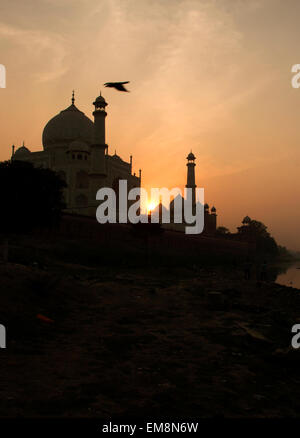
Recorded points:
(257, 233)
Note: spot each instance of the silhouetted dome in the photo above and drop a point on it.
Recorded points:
(100, 99)
(21, 152)
(206, 206)
(191, 156)
(78, 146)
(213, 209)
(176, 197)
(69, 125)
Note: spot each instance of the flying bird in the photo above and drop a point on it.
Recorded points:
(117, 85)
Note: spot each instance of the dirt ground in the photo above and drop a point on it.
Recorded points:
(146, 342)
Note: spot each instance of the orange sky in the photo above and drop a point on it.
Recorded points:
(213, 76)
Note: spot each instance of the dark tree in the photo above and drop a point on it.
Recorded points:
(257, 232)
(30, 197)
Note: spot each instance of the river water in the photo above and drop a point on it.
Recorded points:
(289, 275)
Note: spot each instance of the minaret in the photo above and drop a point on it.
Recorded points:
(213, 219)
(97, 171)
(191, 176)
(98, 147)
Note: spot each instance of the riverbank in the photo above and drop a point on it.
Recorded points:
(288, 274)
(146, 342)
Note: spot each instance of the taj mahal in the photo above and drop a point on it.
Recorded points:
(75, 148)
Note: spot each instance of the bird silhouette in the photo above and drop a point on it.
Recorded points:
(117, 85)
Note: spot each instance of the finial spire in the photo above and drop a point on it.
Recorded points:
(73, 97)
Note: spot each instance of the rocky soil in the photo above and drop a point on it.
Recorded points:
(88, 342)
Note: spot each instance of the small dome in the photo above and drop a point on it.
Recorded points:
(78, 146)
(69, 125)
(206, 206)
(100, 99)
(100, 102)
(116, 157)
(21, 152)
(213, 209)
(191, 156)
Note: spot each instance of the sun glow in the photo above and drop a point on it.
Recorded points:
(150, 206)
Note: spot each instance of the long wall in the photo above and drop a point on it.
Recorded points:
(172, 242)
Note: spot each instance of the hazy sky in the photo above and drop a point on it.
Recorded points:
(213, 76)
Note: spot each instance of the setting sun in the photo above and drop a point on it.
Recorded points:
(150, 206)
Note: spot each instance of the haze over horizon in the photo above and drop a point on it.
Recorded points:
(209, 75)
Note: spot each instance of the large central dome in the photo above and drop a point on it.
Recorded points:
(69, 125)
